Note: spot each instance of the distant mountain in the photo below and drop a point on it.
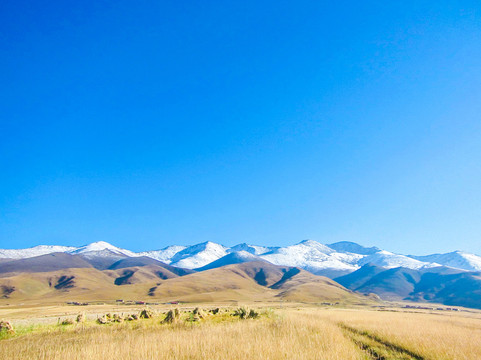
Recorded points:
(359, 268)
(390, 260)
(392, 284)
(33, 251)
(436, 284)
(314, 257)
(253, 249)
(456, 259)
(44, 263)
(101, 246)
(461, 289)
(198, 255)
(237, 257)
(165, 255)
(351, 247)
(141, 261)
(357, 279)
(331, 260)
(102, 259)
(250, 281)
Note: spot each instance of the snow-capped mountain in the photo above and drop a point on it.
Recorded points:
(455, 259)
(253, 249)
(314, 257)
(93, 249)
(388, 260)
(165, 254)
(331, 260)
(33, 251)
(198, 255)
(351, 247)
(235, 257)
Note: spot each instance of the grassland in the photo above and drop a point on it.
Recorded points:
(295, 332)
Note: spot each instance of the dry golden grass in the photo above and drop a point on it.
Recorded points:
(436, 336)
(288, 333)
(284, 337)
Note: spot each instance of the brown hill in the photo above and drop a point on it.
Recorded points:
(254, 281)
(44, 263)
(140, 274)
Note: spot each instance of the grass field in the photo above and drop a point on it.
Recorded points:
(296, 332)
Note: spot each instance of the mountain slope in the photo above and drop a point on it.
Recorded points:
(141, 261)
(33, 251)
(253, 281)
(198, 255)
(351, 247)
(164, 255)
(455, 259)
(253, 249)
(44, 263)
(359, 277)
(314, 257)
(231, 258)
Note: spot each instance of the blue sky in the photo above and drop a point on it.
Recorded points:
(151, 123)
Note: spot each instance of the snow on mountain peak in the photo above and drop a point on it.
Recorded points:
(101, 246)
(456, 259)
(348, 246)
(253, 249)
(340, 257)
(33, 251)
(164, 255)
(198, 255)
(388, 259)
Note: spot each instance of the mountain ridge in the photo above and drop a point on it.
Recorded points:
(332, 260)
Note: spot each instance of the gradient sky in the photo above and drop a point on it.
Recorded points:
(150, 123)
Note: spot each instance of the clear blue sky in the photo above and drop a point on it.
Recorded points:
(149, 123)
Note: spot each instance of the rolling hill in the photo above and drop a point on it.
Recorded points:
(144, 279)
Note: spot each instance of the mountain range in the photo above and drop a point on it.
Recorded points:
(331, 260)
(452, 278)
